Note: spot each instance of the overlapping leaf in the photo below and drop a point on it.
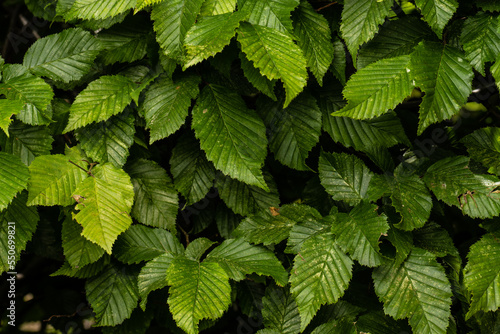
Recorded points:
(259, 81)
(280, 312)
(8, 108)
(14, 177)
(124, 42)
(78, 251)
(98, 10)
(483, 145)
(437, 13)
(153, 276)
(274, 14)
(217, 7)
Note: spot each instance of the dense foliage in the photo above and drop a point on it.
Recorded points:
(254, 166)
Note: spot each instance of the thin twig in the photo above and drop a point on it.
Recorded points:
(186, 235)
(326, 6)
(86, 171)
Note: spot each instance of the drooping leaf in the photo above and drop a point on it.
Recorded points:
(445, 77)
(8, 108)
(437, 13)
(320, 275)
(65, 56)
(103, 98)
(14, 176)
(232, 136)
(376, 88)
(156, 201)
(416, 289)
(274, 14)
(265, 47)
(98, 10)
(280, 312)
(78, 251)
(104, 204)
(259, 81)
(483, 145)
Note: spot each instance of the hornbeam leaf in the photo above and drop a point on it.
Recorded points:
(274, 14)
(416, 289)
(88, 271)
(65, 56)
(321, 273)
(113, 295)
(309, 225)
(103, 98)
(378, 87)
(232, 136)
(361, 20)
(359, 231)
(483, 145)
(292, 131)
(153, 276)
(166, 105)
(481, 278)
(14, 176)
(141, 4)
(445, 76)
(437, 13)
(8, 108)
(102, 9)
(481, 39)
(125, 42)
(280, 312)
(489, 5)
(238, 258)
(217, 7)
(275, 55)
(259, 81)
(104, 203)
(197, 291)
(78, 251)
(209, 36)
(314, 38)
(172, 20)
(197, 248)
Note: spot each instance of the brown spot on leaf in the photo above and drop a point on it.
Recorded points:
(274, 211)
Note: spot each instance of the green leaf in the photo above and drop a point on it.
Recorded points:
(140, 243)
(292, 131)
(308, 225)
(280, 312)
(217, 7)
(445, 77)
(321, 273)
(360, 21)
(437, 13)
(36, 94)
(238, 258)
(416, 289)
(210, 35)
(257, 80)
(98, 10)
(156, 201)
(14, 176)
(141, 4)
(104, 203)
(113, 295)
(8, 109)
(273, 14)
(172, 20)
(196, 249)
(435, 239)
(25, 219)
(339, 64)
(197, 291)
(344, 176)
(65, 56)
(166, 105)
(153, 276)
(110, 140)
(232, 136)
(490, 5)
(53, 179)
(314, 38)
(378, 87)
(481, 40)
(247, 200)
(275, 55)
(78, 251)
(481, 278)
(226, 221)
(359, 231)
(125, 42)
(378, 323)
(90, 270)
(103, 98)
(193, 174)
(483, 145)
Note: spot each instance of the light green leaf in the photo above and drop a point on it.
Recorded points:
(445, 76)
(104, 204)
(166, 105)
(437, 13)
(217, 7)
(102, 9)
(113, 295)
(344, 176)
(14, 176)
(110, 140)
(35, 93)
(8, 108)
(232, 136)
(125, 42)
(321, 273)
(65, 56)
(292, 131)
(274, 14)
(140, 243)
(247, 200)
(172, 20)
(209, 36)
(483, 145)
(153, 276)
(275, 55)
(257, 80)
(359, 231)
(156, 201)
(378, 87)
(53, 179)
(78, 251)
(103, 98)
(197, 291)
(314, 38)
(280, 312)
(197, 248)
(361, 20)
(416, 289)
(238, 258)
(141, 4)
